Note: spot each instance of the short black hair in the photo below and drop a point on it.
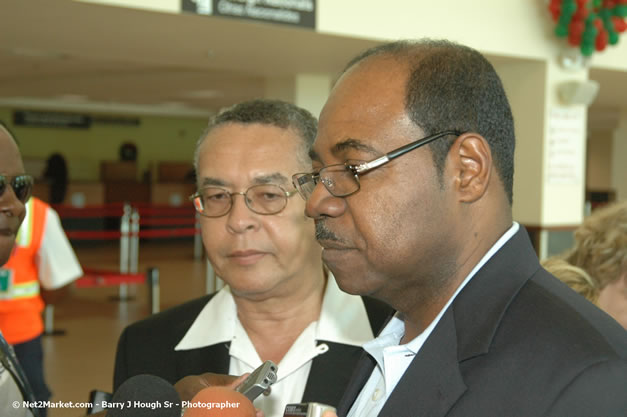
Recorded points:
(454, 87)
(270, 112)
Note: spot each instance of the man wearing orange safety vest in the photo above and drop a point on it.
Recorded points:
(42, 256)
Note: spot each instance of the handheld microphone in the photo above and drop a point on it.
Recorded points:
(219, 402)
(144, 396)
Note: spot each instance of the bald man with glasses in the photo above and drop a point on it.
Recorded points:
(481, 329)
(279, 303)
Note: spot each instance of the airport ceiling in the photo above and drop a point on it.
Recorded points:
(76, 54)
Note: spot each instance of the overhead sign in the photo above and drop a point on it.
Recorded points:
(36, 118)
(50, 119)
(290, 12)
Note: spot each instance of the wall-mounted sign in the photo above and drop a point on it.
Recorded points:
(566, 142)
(290, 12)
(35, 118)
(50, 119)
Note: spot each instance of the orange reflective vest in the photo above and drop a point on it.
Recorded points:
(20, 302)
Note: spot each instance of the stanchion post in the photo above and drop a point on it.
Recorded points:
(124, 248)
(49, 319)
(49, 329)
(153, 288)
(134, 242)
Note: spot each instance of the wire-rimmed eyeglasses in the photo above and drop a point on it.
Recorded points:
(261, 199)
(342, 180)
(22, 186)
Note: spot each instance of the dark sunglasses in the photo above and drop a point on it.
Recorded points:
(22, 186)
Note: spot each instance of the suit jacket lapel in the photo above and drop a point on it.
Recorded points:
(359, 378)
(480, 306)
(213, 358)
(329, 371)
(433, 381)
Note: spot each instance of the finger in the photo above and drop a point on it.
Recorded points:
(212, 380)
(239, 380)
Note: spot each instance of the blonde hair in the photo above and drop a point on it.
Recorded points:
(573, 276)
(601, 244)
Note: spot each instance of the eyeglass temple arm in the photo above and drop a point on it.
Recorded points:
(367, 166)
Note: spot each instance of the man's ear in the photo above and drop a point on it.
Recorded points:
(471, 161)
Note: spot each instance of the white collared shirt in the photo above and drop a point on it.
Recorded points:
(394, 359)
(343, 319)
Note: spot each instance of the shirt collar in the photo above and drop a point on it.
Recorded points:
(215, 323)
(343, 319)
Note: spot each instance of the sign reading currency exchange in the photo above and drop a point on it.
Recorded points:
(290, 12)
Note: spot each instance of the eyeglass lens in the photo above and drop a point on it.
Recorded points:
(339, 180)
(22, 186)
(261, 199)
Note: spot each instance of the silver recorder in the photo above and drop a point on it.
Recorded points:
(259, 381)
(306, 410)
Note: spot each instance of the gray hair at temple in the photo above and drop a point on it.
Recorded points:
(269, 112)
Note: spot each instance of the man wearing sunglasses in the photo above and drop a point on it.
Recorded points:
(41, 259)
(279, 303)
(411, 193)
(15, 189)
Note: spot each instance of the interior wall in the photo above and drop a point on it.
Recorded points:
(599, 161)
(156, 138)
(524, 83)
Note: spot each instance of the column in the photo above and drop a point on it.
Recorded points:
(309, 91)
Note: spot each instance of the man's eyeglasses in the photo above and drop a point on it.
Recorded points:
(22, 186)
(342, 180)
(261, 199)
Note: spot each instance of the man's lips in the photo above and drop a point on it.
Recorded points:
(332, 245)
(246, 257)
(244, 253)
(8, 231)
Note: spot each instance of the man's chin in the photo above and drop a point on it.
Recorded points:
(351, 283)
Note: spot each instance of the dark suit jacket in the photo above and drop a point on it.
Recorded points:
(515, 342)
(147, 347)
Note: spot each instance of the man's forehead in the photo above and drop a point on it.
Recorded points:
(248, 156)
(365, 96)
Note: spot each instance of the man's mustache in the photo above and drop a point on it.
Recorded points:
(322, 233)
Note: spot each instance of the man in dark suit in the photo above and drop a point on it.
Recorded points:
(279, 304)
(481, 329)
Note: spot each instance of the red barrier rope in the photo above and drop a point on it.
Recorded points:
(166, 211)
(93, 234)
(95, 278)
(176, 221)
(187, 231)
(75, 212)
(149, 215)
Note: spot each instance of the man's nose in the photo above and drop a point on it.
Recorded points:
(322, 203)
(241, 217)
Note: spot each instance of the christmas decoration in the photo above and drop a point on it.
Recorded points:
(589, 24)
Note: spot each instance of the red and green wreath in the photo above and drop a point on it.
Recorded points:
(589, 24)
